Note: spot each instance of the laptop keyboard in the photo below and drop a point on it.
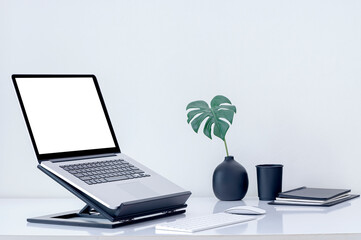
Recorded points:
(104, 171)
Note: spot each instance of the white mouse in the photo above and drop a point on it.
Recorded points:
(246, 210)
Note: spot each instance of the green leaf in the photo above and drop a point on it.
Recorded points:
(218, 100)
(196, 123)
(220, 129)
(192, 114)
(198, 104)
(229, 107)
(226, 114)
(208, 127)
(221, 108)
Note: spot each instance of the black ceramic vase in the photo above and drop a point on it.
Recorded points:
(230, 180)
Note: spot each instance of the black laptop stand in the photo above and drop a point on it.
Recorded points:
(95, 214)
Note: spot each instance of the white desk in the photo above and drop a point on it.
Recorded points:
(342, 222)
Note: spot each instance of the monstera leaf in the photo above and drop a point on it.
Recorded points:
(220, 110)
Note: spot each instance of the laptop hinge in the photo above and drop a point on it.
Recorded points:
(82, 158)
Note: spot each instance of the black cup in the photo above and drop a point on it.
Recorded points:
(269, 181)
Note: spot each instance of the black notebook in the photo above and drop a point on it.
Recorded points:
(304, 196)
(322, 194)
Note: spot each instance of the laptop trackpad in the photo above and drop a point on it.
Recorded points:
(137, 189)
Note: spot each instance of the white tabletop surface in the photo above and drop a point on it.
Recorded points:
(342, 221)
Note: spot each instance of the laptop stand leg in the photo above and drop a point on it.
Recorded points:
(85, 210)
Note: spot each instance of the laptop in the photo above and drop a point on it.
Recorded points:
(73, 138)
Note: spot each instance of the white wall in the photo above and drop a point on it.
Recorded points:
(292, 68)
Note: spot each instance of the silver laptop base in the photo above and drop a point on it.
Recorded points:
(88, 217)
(95, 214)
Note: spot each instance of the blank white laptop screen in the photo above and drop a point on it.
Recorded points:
(65, 114)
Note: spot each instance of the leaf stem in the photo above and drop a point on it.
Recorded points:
(225, 144)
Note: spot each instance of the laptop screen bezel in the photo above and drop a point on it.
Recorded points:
(70, 154)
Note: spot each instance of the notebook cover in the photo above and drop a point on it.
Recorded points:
(352, 196)
(321, 194)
